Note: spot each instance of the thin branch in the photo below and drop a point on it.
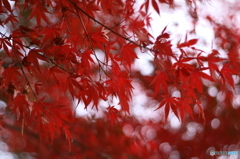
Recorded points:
(91, 45)
(26, 132)
(110, 29)
(51, 60)
(34, 135)
(28, 82)
(90, 41)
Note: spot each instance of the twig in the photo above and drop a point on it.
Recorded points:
(110, 29)
(28, 82)
(91, 45)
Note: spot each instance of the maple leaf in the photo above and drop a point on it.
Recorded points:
(226, 73)
(170, 2)
(160, 81)
(50, 49)
(188, 90)
(98, 38)
(22, 109)
(183, 70)
(68, 136)
(86, 60)
(33, 57)
(4, 43)
(185, 107)
(169, 103)
(112, 114)
(200, 109)
(155, 6)
(124, 90)
(52, 74)
(162, 46)
(145, 5)
(195, 79)
(39, 12)
(213, 59)
(50, 33)
(36, 86)
(128, 54)
(6, 5)
(70, 85)
(11, 74)
(38, 108)
(188, 43)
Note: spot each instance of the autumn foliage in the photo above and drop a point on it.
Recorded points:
(59, 56)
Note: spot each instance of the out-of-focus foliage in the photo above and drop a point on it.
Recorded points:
(56, 54)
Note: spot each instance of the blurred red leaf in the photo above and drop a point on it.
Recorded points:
(155, 6)
(188, 43)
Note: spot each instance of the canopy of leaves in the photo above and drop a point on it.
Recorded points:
(58, 55)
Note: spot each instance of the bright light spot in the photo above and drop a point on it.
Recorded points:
(218, 110)
(236, 79)
(148, 132)
(156, 119)
(165, 147)
(98, 55)
(89, 112)
(233, 157)
(7, 155)
(141, 107)
(215, 123)
(3, 146)
(205, 31)
(80, 111)
(210, 149)
(192, 129)
(151, 134)
(174, 155)
(92, 111)
(221, 96)
(176, 94)
(3, 105)
(141, 111)
(236, 101)
(143, 64)
(3, 152)
(212, 91)
(128, 130)
(197, 109)
(175, 123)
